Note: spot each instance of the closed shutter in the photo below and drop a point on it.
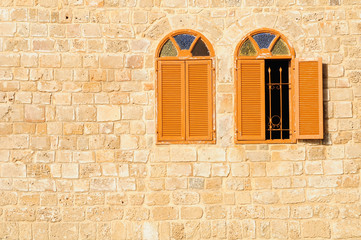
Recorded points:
(171, 100)
(250, 100)
(309, 101)
(199, 100)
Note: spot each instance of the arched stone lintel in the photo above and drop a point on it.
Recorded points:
(284, 25)
(162, 27)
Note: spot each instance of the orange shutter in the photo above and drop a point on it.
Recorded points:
(309, 101)
(171, 100)
(199, 100)
(250, 100)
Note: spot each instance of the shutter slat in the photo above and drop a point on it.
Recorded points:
(171, 101)
(199, 100)
(250, 100)
(309, 101)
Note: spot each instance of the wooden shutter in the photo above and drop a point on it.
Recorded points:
(171, 100)
(309, 101)
(199, 100)
(250, 100)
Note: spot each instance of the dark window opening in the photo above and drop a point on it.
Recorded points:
(277, 99)
(200, 49)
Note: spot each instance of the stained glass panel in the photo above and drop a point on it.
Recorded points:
(200, 49)
(168, 50)
(263, 39)
(184, 40)
(247, 49)
(280, 48)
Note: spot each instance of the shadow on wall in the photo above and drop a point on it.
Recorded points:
(326, 137)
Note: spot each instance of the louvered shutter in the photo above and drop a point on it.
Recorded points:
(171, 100)
(309, 100)
(250, 100)
(199, 100)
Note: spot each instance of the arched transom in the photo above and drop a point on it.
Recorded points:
(264, 43)
(185, 43)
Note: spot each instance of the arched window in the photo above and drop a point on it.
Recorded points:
(278, 97)
(185, 85)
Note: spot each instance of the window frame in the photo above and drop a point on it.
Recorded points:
(185, 56)
(266, 55)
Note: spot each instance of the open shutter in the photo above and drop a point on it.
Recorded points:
(199, 100)
(250, 100)
(309, 101)
(171, 100)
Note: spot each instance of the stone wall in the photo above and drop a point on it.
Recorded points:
(78, 158)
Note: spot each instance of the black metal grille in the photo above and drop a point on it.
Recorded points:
(277, 99)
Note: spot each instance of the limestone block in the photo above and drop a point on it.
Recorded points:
(49, 214)
(108, 113)
(70, 170)
(174, 4)
(71, 60)
(103, 213)
(15, 214)
(132, 112)
(129, 142)
(91, 30)
(155, 199)
(9, 198)
(333, 167)
(292, 196)
(313, 229)
(279, 169)
(282, 212)
(158, 29)
(216, 212)
(202, 169)
(136, 214)
(50, 60)
(140, 45)
(127, 185)
(164, 213)
(279, 229)
(266, 197)
(220, 170)
(9, 60)
(191, 212)
(64, 231)
(179, 170)
(73, 214)
(240, 169)
(183, 154)
(7, 29)
(150, 231)
(103, 184)
(185, 198)
(134, 61)
(116, 46)
(346, 229)
(13, 170)
(212, 197)
(86, 113)
(211, 155)
(324, 181)
(111, 61)
(258, 156)
(314, 167)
